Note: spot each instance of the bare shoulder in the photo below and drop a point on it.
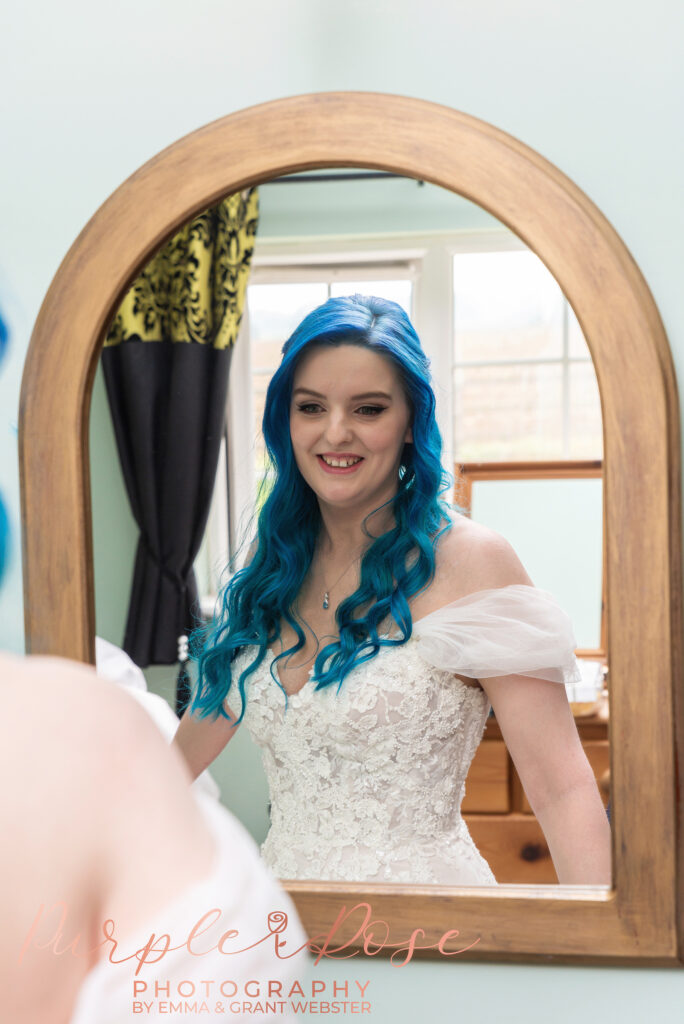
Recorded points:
(471, 557)
(53, 704)
(105, 795)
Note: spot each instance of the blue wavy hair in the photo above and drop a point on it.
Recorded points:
(397, 565)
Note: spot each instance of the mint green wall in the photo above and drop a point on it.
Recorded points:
(556, 528)
(595, 86)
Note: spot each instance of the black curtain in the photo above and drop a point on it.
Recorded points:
(166, 361)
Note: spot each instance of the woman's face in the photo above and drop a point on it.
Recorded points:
(349, 421)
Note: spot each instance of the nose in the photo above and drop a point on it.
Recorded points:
(338, 429)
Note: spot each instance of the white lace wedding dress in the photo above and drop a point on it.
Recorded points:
(366, 783)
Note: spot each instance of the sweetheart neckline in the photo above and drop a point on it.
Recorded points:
(290, 696)
(304, 685)
(416, 622)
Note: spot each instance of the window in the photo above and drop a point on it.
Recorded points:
(524, 382)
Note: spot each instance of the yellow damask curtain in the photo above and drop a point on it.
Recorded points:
(194, 289)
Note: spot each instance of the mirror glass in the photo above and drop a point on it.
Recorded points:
(517, 405)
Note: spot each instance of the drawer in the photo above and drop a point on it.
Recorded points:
(514, 847)
(487, 784)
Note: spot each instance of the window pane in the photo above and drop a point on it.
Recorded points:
(274, 312)
(396, 291)
(586, 423)
(505, 413)
(506, 306)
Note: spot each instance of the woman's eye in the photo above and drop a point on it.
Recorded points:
(312, 408)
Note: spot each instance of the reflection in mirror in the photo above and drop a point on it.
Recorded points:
(514, 383)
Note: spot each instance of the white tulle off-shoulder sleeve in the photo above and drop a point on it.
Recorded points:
(514, 630)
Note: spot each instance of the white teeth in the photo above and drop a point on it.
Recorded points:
(339, 463)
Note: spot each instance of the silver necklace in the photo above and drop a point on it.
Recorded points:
(326, 593)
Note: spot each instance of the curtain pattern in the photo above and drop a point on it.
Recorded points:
(193, 290)
(165, 361)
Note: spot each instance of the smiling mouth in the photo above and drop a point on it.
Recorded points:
(341, 463)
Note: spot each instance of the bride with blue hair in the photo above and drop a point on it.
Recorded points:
(373, 627)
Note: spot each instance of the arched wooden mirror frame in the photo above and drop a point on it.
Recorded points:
(640, 918)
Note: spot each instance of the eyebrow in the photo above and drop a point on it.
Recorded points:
(354, 398)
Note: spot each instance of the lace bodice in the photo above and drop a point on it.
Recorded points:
(366, 783)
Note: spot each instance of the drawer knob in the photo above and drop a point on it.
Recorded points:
(531, 851)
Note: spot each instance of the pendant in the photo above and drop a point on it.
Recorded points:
(326, 599)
